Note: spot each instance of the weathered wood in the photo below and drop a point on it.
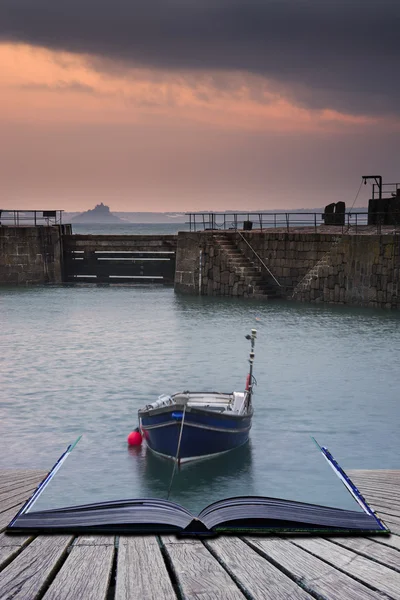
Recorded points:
(8, 515)
(28, 489)
(257, 577)
(27, 575)
(392, 540)
(227, 567)
(141, 570)
(199, 574)
(10, 545)
(384, 475)
(381, 504)
(370, 549)
(376, 472)
(85, 574)
(95, 540)
(21, 474)
(312, 574)
(388, 517)
(120, 243)
(385, 490)
(394, 528)
(382, 491)
(377, 576)
(16, 483)
(16, 500)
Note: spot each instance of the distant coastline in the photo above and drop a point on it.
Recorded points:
(96, 216)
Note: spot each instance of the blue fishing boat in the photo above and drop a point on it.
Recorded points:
(194, 425)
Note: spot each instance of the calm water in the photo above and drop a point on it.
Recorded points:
(83, 360)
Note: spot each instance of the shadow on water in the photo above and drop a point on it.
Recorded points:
(195, 484)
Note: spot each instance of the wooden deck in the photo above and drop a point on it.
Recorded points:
(152, 567)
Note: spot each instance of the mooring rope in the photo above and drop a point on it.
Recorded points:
(355, 199)
(177, 452)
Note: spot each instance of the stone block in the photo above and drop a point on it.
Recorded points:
(224, 277)
(337, 292)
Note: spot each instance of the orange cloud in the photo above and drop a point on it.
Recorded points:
(40, 85)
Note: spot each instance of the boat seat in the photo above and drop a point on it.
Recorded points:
(181, 398)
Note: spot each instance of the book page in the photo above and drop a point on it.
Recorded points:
(287, 466)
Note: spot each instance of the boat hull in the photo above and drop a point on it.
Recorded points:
(204, 433)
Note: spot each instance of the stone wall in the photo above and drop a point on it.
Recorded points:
(360, 270)
(30, 255)
(350, 269)
(289, 256)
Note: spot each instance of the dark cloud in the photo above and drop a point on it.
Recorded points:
(341, 54)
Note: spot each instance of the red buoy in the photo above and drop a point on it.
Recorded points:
(134, 438)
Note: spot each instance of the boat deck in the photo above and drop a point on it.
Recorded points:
(164, 567)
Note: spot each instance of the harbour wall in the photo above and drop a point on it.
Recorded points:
(311, 267)
(30, 255)
(354, 269)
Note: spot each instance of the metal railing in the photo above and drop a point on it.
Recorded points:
(344, 223)
(389, 190)
(24, 218)
(260, 260)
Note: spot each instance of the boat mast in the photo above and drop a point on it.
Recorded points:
(249, 383)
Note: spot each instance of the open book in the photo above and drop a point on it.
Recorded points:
(240, 514)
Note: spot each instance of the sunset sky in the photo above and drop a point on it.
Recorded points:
(164, 105)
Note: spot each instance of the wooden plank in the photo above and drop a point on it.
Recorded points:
(199, 574)
(8, 515)
(386, 490)
(375, 472)
(14, 497)
(394, 528)
(378, 503)
(16, 485)
(376, 575)
(20, 487)
(370, 549)
(388, 540)
(257, 577)
(28, 574)
(10, 545)
(388, 517)
(141, 570)
(11, 474)
(95, 540)
(312, 574)
(14, 501)
(85, 574)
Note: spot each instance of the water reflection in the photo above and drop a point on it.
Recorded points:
(196, 484)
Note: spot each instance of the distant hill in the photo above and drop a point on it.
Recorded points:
(99, 214)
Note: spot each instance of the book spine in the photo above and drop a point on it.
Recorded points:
(354, 491)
